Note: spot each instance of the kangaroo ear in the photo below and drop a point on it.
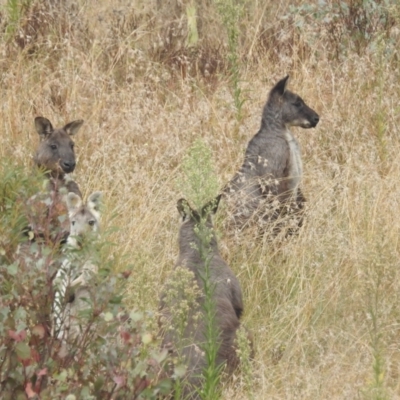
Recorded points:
(94, 203)
(43, 126)
(183, 208)
(73, 202)
(73, 127)
(280, 87)
(211, 207)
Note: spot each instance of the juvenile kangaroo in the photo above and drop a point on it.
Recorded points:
(72, 294)
(268, 182)
(227, 296)
(55, 154)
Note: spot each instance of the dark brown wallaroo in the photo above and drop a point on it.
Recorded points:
(227, 296)
(268, 182)
(56, 152)
(47, 210)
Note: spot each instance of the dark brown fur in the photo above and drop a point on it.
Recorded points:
(47, 210)
(272, 167)
(227, 296)
(56, 152)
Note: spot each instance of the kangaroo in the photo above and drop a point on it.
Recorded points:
(269, 178)
(76, 271)
(47, 209)
(56, 152)
(227, 296)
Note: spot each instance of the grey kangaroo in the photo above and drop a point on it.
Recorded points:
(227, 296)
(268, 182)
(72, 294)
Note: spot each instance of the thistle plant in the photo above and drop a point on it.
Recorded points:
(231, 12)
(244, 351)
(198, 181)
(199, 185)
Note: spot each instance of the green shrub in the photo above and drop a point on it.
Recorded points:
(115, 355)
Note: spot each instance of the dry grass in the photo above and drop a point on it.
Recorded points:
(323, 307)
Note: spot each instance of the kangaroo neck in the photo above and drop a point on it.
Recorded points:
(190, 243)
(55, 176)
(272, 120)
(56, 182)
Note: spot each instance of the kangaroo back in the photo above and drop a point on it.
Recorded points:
(226, 295)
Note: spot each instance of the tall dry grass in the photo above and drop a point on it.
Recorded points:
(324, 306)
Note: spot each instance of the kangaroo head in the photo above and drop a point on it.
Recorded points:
(189, 214)
(290, 107)
(84, 218)
(56, 149)
(192, 220)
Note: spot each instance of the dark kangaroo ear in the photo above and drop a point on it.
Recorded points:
(43, 126)
(73, 127)
(280, 87)
(183, 208)
(211, 207)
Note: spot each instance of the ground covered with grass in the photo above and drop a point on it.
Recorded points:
(149, 78)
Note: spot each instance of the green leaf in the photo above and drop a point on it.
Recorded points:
(108, 317)
(116, 300)
(147, 338)
(160, 356)
(98, 384)
(12, 269)
(4, 311)
(179, 371)
(85, 393)
(23, 351)
(165, 386)
(136, 316)
(62, 376)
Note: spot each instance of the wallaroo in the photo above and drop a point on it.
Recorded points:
(56, 152)
(46, 211)
(267, 185)
(72, 294)
(195, 256)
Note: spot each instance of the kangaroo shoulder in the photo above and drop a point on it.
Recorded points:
(271, 145)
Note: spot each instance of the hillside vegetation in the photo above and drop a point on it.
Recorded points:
(151, 77)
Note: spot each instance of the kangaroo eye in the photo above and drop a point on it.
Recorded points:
(298, 103)
(91, 222)
(53, 146)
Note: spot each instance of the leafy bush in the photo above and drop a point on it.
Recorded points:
(114, 356)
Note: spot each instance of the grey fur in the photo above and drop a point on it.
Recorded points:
(75, 273)
(270, 175)
(227, 297)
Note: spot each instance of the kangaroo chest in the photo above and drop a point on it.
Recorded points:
(295, 163)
